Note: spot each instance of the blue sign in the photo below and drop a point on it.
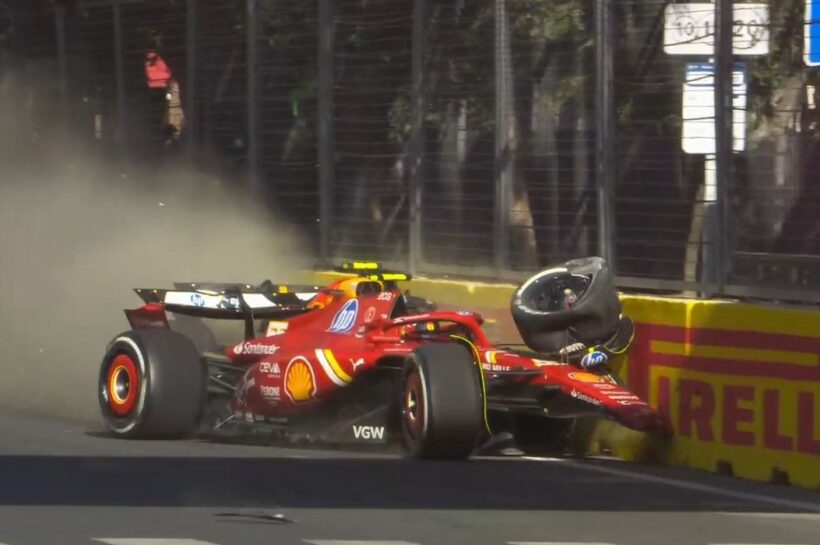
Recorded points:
(811, 32)
(197, 300)
(345, 318)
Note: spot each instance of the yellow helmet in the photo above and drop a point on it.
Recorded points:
(350, 287)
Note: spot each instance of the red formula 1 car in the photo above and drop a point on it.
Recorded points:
(359, 361)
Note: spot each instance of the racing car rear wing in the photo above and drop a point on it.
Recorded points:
(224, 302)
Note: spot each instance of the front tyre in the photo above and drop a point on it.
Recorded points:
(441, 403)
(152, 384)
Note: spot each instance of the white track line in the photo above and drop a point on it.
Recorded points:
(355, 542)
(685, 485)
(786, 516)
(150, 541)
(554, 543)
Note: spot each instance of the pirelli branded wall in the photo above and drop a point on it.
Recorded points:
(739, 383)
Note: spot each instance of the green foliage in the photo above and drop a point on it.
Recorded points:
(459, 60)
(785, 60)
(546, 19)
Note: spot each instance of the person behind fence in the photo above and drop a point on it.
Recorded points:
(164, 95)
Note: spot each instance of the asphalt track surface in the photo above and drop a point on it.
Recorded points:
(67, 483)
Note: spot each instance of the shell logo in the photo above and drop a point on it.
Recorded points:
(300, 383)
(586, 377)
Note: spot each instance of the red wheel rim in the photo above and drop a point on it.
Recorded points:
(122, 385)
(413, 406)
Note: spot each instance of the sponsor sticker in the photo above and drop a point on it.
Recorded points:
(229, 303)
(270, 392)
(370, 314)
(578, 395)
(605, 386)
(593, 359)
(147, 323)
(197, 300)
(586, 377)
(276, 328)
(621, 396)
(495, 367)
(630, 402)
(255, 349)
(368, 432)
(300, 382)
(356, 363)
(547, 363)
(345, 318)
(270, 368)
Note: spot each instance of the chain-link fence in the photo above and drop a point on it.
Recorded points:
(485, 138)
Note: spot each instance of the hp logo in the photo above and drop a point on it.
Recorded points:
(594, 359)
(344, 320)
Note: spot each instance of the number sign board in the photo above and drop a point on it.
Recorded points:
(689, 29)
(699, 108)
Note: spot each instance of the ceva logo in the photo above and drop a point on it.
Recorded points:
(345, 318)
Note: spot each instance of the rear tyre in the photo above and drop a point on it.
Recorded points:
(441, 403)
(197, 332)
(152, 384)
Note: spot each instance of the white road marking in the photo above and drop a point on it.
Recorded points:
(554, 543)
(355, 542)
(150, 541)
(709, 489)
(788, 516)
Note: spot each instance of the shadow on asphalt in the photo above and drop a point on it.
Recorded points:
(349, 483)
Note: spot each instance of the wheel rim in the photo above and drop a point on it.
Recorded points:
(413, 405)
(122, 385)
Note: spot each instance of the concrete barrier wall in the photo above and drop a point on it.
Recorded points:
(740, 383)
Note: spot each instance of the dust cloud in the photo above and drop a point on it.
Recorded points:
(78, 233)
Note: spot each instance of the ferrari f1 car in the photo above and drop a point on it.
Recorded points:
(360, 361)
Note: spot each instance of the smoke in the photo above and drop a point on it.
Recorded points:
(78, 233)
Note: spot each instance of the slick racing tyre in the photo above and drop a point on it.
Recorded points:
(441, 403)
(152, 384)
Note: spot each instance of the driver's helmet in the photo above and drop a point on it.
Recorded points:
(320, 300)
(349, 287)
(420, 328)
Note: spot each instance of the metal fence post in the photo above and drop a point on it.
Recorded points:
(503, 167)
(724, 68)
(190, 77)
(119, 60)
(325, 133)
(417, 137)
(252, 94)
(605, 130)
(62, 58)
